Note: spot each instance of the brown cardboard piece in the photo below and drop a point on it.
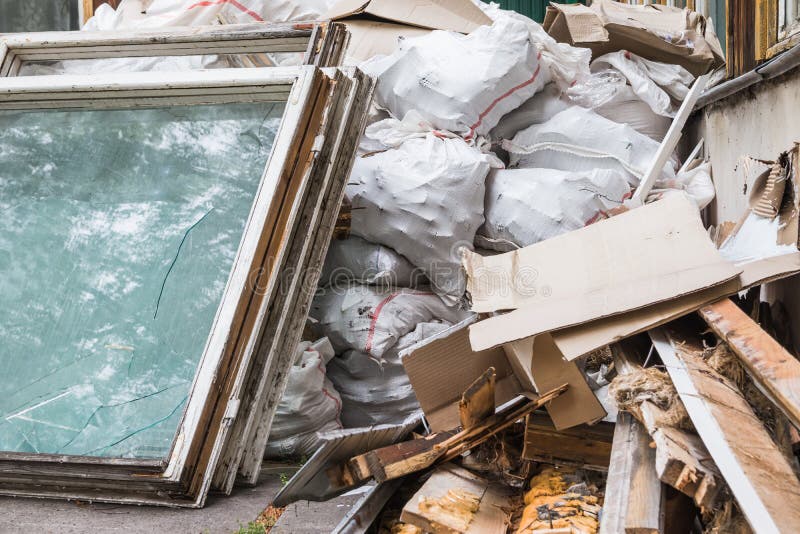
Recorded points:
(457, 15)
(656, 32)
(370, 38)
(581, 339)
(547, 366)
(441, 368)
(652, 254)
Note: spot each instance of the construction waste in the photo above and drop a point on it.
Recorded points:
(521, 208)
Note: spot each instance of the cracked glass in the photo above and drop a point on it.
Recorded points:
(119, 230)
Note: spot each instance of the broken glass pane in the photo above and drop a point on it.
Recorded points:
(118, 231)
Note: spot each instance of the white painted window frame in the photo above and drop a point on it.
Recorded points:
(292, 85)
(321, 43)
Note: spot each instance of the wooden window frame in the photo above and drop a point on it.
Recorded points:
(253, 292)
(322, 43)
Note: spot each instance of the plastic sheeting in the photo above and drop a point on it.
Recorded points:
(164, 13)
(426, 74)
(370, 319)
(357, 260)
(424, 199)
(310, 404)
(377, 391)
(119, 232)
(525, 206)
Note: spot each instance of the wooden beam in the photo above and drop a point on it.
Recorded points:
(636, 502)
(759, 476)
(408, 457)
(772, 367)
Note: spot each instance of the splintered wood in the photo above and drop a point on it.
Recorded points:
(559, 501)
(764, 484)
(455, 500)
(770, 365)
(681, 459)
(409, 457)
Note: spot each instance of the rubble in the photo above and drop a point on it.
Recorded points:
(519, 322)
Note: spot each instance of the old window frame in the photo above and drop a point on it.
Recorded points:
(322, 44)
(184, 478)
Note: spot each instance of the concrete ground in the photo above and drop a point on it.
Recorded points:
(224, 515)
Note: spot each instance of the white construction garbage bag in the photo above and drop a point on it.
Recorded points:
(377, 390)
(461, 83)
(578, 139)
(662, 85)
(424, 199)
(165, 13)
(310, 404)
(695, 182)
(372, 319)
(357, 260)
(525, 206)
(567, 64)
(628, 89)
(540, 108)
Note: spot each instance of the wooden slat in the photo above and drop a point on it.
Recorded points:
(759, 476)
(771, 366)
(645, 513)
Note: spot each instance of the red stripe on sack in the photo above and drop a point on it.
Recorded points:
(234, 3)
(328, 394)
(503, 97)
(375, 314)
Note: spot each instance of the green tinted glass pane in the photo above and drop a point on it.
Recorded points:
(118, 231)
(38, 15)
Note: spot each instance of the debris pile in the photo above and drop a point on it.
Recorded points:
(523, 322)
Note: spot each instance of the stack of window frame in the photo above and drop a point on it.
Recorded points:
(244, 368)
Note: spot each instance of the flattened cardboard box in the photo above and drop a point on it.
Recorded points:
(456, 15)
(655, 32)
(652, 254)
(441, 368)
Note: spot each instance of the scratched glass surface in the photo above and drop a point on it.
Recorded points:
(118, 232)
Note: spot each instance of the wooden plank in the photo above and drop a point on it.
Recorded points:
(637, 505)
(411, 456)
(455, 500)
(772, 367)
(681, 459)
(477, 403)
(645, 514)
(759, 476)
(586, 446)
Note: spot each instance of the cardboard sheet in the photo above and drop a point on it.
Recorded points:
(370, 38)
(547, 366)
(456, 15)
(655, 32)
(655, 253)
(443, 367)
